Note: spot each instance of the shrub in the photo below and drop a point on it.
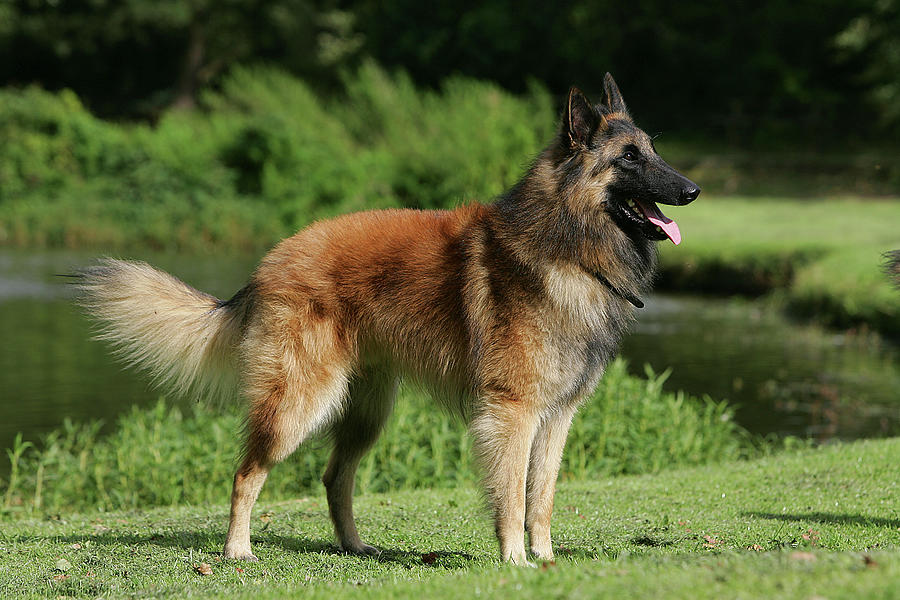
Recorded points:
(263, 144)
(468, 140)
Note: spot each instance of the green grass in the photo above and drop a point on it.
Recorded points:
(160, 456)
(806, 524)
(824, 257)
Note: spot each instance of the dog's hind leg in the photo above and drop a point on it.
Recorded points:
(370, 402)
(295, 385)
(546, 453)
(503, 431)
(248, 481)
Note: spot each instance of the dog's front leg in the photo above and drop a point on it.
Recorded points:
(546, 453)
(503, 431)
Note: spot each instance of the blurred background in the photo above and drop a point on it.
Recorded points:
(194, 134)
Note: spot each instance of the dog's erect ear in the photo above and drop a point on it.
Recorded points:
(580, 120)
(614, 100)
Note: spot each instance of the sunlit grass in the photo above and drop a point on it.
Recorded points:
(806, 524)
(826, 255)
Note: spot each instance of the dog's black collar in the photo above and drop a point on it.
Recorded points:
(634, 300)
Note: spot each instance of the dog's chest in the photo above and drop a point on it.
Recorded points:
(582, 324)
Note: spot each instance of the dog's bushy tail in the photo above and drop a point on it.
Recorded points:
(186, 339)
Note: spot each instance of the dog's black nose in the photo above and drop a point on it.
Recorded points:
(689, 194)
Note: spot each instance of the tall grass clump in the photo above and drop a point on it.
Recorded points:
(163, 456)
(632, 426)
(468, 140)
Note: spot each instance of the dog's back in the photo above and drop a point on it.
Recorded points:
(389, 284)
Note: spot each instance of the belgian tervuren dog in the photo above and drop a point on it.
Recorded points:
(507, 311)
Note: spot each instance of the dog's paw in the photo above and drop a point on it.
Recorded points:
(524, 563)
(520, 560)
(361, 549)
(245, 555)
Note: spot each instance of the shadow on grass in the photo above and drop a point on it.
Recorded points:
(212, 543)
(406, 558)
(651, 541)
(822, 517)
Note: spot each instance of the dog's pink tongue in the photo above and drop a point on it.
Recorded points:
(655, 216)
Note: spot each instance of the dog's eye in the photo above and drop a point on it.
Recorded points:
(630, 156)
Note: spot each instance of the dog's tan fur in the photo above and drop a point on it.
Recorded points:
(496, 308)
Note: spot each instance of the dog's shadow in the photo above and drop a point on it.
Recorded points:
(193, 540)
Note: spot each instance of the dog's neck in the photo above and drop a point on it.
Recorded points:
(538, 221)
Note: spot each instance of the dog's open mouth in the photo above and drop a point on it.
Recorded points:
(647, 212)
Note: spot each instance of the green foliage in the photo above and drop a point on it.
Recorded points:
(470, 140)
(286, 149)
(70, 179)
(161, 456)
(873, 38)
(747, 73)
(265, 158)
(50, 139)
(135, 58)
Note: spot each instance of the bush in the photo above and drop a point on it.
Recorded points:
(160, 456)
(266, 156)
(50, 141)
(469, 140)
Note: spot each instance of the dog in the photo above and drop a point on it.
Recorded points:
(892, 266)
(507, 312)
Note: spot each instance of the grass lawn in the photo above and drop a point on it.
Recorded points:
(823, 256)
(807, 524)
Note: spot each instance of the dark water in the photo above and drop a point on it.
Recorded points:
(786, 378)
(50, 369)
(783, 377)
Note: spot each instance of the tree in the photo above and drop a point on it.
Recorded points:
(873, 40)
(138, 56)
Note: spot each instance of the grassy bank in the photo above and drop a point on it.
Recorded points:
(823, 257)
(162, 457)
(812, 523)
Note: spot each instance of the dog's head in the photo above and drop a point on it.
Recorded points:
(618, 167)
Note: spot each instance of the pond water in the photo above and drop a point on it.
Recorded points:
(785, 378)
